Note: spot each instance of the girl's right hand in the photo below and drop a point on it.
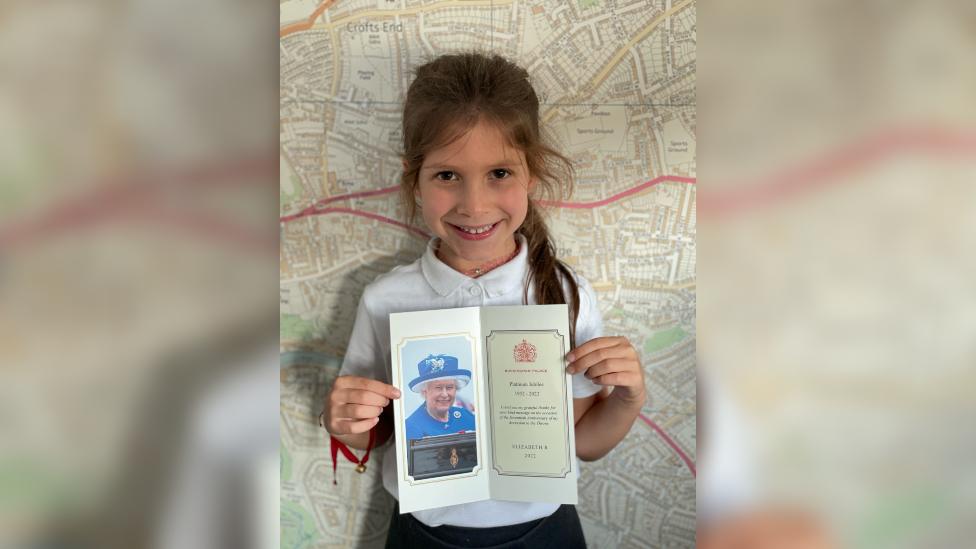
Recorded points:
(355, 404)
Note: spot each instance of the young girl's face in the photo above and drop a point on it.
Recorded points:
(474, 195)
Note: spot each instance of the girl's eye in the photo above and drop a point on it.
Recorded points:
(446, 176)
(500, 173)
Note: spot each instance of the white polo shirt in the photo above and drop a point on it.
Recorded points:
(428, 283)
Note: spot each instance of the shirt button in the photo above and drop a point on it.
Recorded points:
(475, 290)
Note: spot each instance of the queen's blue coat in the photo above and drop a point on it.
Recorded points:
(420, 424)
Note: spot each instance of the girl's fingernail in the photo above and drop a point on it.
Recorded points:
(570, 357)
(396, 393)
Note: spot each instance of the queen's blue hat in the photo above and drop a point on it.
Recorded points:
(439, 367)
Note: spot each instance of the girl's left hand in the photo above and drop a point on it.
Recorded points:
(610, 361)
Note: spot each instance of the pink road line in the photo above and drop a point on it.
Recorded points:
(368, 215)
(670, 442)
(828, 168)
(136, 209)
(783, 184)
(310, 210)
(315, 208)
(363, 194)
(116, 195)
(204, 224)
(622, 194)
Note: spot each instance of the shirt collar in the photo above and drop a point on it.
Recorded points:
(502, 279)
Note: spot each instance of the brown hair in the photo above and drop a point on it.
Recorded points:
(447, 98)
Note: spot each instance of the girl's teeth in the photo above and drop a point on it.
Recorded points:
(476, 230)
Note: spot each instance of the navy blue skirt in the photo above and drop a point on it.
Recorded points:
(561, 529)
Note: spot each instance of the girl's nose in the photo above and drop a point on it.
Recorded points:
(474, 200)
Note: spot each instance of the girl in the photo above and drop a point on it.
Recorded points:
(474, 165)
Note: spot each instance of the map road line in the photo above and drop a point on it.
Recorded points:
(829, 167)
(368, 215)
(622, 194)
(782, 184)
(314, 208)
(318, 204)
(670, 442)
(406, 12)
(202, 223)
(363, 194)
(123, 194)
(307, 24)
(622, 52)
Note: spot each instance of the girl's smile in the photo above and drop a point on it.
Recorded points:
(476, 233)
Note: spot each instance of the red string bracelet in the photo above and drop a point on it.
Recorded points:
(336, 445)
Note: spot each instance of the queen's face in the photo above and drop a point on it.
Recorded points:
(439, 395)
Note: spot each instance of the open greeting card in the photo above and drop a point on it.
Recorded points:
(487, 406)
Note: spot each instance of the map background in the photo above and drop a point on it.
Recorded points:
(617, 81)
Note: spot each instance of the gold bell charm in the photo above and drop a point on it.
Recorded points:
(361, 468)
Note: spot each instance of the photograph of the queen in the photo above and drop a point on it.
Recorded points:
(438, 382)
(439, 407)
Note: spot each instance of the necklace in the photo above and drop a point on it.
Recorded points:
(493, 264)
(478, 271)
